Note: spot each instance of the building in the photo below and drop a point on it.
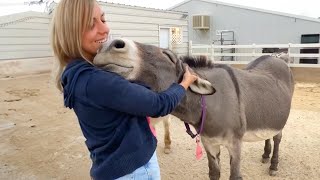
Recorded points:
(162, 28)
(214, 22)
(249, 25)
(24, 35)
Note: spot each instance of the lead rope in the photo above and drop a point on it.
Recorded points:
(197, 136)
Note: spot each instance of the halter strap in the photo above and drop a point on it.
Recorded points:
(203, 117)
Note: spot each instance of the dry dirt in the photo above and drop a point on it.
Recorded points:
(40, 139)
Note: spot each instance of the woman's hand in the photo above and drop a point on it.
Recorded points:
(188, 78)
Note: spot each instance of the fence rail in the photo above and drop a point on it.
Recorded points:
(213, 51)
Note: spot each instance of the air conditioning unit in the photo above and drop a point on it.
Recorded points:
(201, 22)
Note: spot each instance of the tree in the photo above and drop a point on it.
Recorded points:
(40, 2)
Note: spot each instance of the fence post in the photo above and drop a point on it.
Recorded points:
(212, 52)
(289, 53)
(253, 51)
(190, 48)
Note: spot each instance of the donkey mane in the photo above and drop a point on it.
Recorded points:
(197, 61)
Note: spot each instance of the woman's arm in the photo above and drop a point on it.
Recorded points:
(109, 90)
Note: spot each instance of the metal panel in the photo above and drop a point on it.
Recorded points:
(180, 49)
(23, 33)
(6, 47)
(25, 54)
(24, 40)
(138, 33)
(147, 40)
(39, 20)
(138, 11)
(148, 20)
(26, 35)
(27, 25)
(249, 26)
(132, 26)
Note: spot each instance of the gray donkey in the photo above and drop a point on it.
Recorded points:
(242, 105)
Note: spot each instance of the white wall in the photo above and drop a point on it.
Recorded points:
(250, 25)
(24, 35)
(143, 24)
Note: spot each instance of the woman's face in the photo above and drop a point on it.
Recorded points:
(93, 37)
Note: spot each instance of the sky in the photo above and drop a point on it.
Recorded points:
(309, 8)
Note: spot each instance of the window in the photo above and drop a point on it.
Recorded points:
(310, 38)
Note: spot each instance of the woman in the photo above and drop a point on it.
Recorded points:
(111, 110)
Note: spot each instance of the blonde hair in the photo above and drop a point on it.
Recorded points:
(71, 18)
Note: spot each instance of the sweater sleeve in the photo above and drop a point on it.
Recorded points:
(113, 91)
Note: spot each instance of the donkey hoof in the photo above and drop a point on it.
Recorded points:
(273, 172)
(236, 178)
(265, 160)
(167, 150)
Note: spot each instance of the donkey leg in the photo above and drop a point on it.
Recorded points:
(213, 154)
(275, 156)
(267, 151)
(235, 154)
(167, 139)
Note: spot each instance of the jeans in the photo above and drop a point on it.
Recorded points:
(149, 171)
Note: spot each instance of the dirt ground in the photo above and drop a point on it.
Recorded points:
(40, 139)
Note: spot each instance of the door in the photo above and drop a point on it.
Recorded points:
(164, 38)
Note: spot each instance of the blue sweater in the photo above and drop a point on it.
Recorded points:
(112, 115)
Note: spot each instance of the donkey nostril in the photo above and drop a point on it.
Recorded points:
(119, 44)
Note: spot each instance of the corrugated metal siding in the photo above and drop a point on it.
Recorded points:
(26, 25)
(250, 26)
(24, 35)
(180, 49)
(110, 8)
(146, 19)
(142, 24)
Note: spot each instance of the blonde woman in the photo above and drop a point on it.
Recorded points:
(111, 110)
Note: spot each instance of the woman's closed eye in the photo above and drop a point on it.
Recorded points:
(103, 19)
(94, 23)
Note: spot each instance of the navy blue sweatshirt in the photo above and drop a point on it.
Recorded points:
(112, 115)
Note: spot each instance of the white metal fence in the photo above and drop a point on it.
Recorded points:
(254, 50)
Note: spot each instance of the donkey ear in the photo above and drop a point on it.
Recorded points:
(203, 87)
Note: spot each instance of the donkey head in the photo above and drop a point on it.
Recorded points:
(153, 66)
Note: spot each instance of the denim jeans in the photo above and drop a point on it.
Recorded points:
(149, 171)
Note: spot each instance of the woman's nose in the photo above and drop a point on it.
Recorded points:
(104, 28)
(107, 28)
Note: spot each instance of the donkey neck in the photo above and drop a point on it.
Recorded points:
(189, 110)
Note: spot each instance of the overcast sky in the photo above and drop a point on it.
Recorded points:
(310, 8)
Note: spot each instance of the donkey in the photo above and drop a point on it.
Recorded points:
(242, 105)
(166, 124)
